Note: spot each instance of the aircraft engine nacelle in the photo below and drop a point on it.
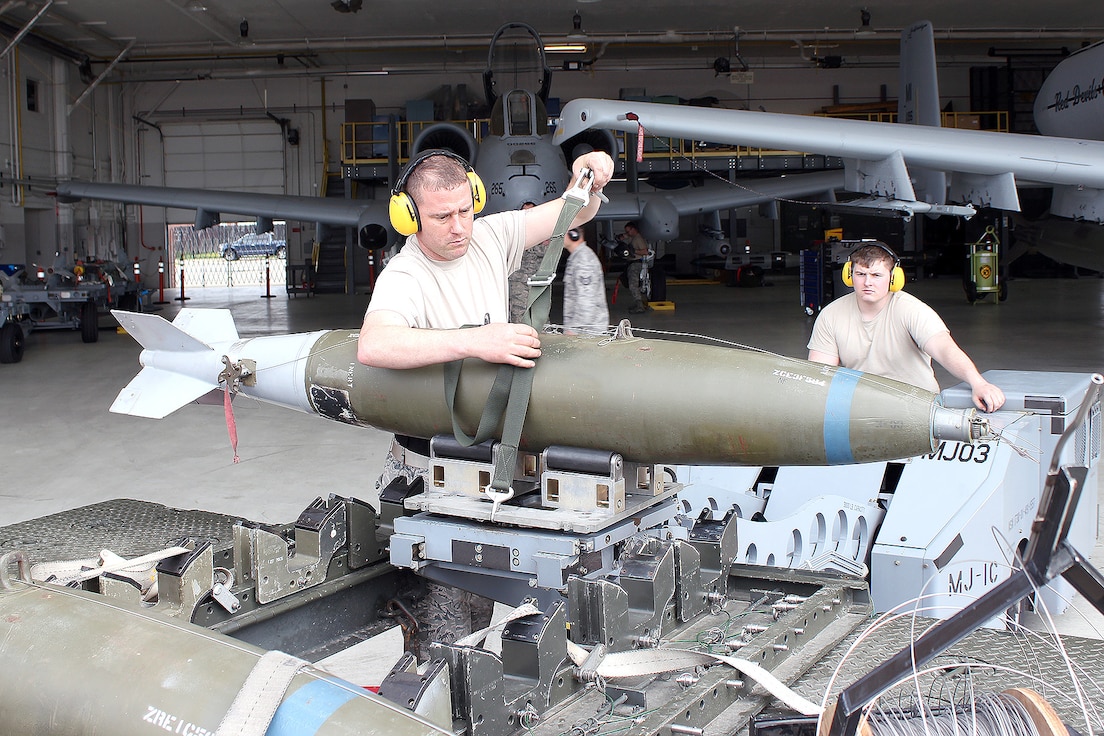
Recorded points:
(448, 136)
(659, 220)
(595, 139)
(373, 235)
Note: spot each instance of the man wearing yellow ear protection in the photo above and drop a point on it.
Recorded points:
(880, 329)
(453, 272)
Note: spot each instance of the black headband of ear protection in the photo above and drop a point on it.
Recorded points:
(414, 163)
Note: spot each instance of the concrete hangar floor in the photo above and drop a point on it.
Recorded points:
(62, 448)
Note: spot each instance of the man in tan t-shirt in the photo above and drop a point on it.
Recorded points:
(891, 333)
(450, 273)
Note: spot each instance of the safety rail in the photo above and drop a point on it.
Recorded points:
(994, 120)
(368, 144)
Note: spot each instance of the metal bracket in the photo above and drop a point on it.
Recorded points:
(184, 580)
(425, 690)
(582, 480)
(225, 598)
(717, 546)
(631, 614)
(238, 374)
(279, 566)
(496, 694)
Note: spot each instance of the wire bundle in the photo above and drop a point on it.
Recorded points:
(1014, 712)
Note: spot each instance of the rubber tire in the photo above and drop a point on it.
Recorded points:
(971, 291)
(90, 322)
(658, 275)
(281, 252)
(1002, 291)
(230, 254)
(11, 343)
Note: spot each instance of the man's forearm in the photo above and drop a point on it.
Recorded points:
(399, 346)
(394, 346)
(586, 214)
(954, 359)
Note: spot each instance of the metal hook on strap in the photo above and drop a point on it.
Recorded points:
(582, 191)
(497, 498)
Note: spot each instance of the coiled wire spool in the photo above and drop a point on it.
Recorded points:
(1013, 712)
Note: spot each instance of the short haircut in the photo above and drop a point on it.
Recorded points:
(574, 235)
(435, 174)
(633, 224)
(868, 255)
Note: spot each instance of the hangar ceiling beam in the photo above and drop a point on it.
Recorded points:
(26, 29)
(95, 83)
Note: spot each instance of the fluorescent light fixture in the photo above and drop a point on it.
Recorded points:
(565, 48)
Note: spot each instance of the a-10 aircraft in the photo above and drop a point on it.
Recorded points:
(519, 162)
(903, 171)
(953, 170)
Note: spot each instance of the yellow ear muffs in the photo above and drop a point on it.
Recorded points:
(479, 192)
(401, 209)
(896, 276)
(403, 214)
(897, 279)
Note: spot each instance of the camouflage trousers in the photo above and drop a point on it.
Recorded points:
(443, 613)
(519, 289)
(633, 277)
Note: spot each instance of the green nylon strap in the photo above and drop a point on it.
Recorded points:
(540, 291)
(493, 407)
(508, 399)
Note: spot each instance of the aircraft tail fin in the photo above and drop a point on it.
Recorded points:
(178, 366)
(918, 98)
(918, 101)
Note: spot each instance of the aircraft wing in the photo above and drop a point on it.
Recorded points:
(368, 217)
(984, 167)
(658, 211)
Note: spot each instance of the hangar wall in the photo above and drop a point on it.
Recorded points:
(43, 137)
